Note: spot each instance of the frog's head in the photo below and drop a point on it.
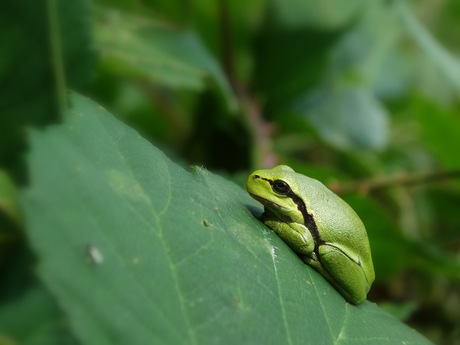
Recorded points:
(277, 190)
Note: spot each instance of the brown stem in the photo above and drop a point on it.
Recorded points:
(260, 130)
(228, 55)
(403, 179)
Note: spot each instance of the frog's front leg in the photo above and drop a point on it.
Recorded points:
(297, 236)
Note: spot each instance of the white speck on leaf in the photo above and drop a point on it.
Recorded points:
(94, 255)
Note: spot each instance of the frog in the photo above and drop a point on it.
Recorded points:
(319, 226)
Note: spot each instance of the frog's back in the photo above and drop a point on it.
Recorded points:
(336, 221)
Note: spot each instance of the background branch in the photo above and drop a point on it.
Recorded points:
(402, 179)
(262, 155)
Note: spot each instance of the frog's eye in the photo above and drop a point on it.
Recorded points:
(280, 187)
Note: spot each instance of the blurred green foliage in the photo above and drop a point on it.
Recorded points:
(362, 95)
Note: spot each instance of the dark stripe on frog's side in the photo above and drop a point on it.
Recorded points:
(309, 221)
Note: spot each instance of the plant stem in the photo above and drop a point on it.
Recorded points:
(261, 131)
(57, 60)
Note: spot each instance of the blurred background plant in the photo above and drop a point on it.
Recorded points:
(362, 95)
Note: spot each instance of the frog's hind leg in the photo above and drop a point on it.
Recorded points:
(344, 273)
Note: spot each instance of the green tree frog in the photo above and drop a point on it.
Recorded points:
(318, 225)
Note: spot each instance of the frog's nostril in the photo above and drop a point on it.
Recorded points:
(255, 176)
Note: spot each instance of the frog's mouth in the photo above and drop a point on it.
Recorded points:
(267, 203)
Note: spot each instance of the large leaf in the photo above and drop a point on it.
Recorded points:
(139, 251)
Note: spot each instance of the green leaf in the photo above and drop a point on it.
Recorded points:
(293, 47)
(138, 250)
(150, 49)
(326, 14)
(329, 79)
(347, 117)
(344, 108)
(447, 64)
(302, 65)
(368, 52)
(439, 130)
(27, 68)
